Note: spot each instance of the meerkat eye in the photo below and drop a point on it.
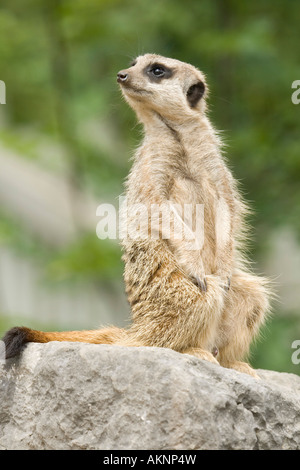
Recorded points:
(158, 71)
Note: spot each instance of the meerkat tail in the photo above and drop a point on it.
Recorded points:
(16, 338)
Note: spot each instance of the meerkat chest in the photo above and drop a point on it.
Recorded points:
(168, 176)
(207, 200)
(202, 188)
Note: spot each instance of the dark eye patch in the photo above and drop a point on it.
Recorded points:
(195, 93)
(133, 63)
(156, 72)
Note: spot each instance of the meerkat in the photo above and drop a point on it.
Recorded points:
(203, 300)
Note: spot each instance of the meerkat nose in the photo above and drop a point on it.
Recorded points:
(122, 77)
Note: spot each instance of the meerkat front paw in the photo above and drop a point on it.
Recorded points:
(225, 280)
(226, 283)
(200, 281)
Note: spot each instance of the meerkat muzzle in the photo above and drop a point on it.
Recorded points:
(122, 77)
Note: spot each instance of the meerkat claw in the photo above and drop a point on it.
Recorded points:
(201, 283)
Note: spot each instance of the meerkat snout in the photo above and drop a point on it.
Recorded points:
(122, 77)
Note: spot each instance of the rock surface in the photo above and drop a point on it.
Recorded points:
(85, 396)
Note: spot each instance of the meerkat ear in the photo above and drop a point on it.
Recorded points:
(195, 93)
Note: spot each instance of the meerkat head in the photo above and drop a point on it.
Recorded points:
(172, 89)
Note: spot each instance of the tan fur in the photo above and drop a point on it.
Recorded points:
(192, 301)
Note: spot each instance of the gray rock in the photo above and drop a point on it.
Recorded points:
(85, 396)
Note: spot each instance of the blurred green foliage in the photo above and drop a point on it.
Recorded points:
(59, 60)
